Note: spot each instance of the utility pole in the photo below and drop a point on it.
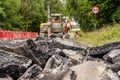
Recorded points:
(49, 18)
(49, 12)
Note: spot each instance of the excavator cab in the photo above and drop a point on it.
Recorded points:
(56, 23)
(56, 26)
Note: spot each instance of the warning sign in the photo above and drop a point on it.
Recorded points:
(95, 10)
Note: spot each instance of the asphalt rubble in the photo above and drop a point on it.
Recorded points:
(54, 58)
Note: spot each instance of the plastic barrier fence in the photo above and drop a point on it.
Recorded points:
(11, 35)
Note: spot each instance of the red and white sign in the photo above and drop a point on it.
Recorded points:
(95, 9)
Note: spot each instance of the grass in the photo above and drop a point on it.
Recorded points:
(109, 33)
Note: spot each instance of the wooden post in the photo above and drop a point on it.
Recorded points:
(49, 18)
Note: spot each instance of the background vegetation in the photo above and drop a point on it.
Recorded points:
(81, 10)
(26, 15)
(107, 34)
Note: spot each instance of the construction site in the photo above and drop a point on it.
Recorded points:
(55, 58)
(54, 54)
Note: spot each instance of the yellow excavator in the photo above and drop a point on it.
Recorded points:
(51, 27)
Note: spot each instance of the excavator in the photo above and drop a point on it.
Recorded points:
(51, 27)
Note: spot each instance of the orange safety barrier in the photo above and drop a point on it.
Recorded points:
(2, 34)
(11, 35)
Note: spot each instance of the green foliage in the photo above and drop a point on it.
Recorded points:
(2, 13)
(26, 15)
(56, 6)
(116, 15)
(104, 35)
(11, 17)
(32, 12)
(81, 11)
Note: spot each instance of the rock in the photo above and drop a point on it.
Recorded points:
(102, 50)
(11, 43)
(113, 56)
(109, 75)
(70, 75)
(68, 44)
(61, 72)
(39, 51)
(39, 38)
(118, 73)
(115, 67)
(89, 70)
(12, 64)
(55, 75)
(53, 35)
(58, 59)
(74, 55)
(6, 78)
(54, 62)
(22, 50)
(31, 73)
(69, 52)
(36, 73)
(54, 51)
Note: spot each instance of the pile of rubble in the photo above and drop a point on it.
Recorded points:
(55, 58)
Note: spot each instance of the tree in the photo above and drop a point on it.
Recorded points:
(26, 15)
(12, 19)
(2, 15)
(81, 10)
(56, 6)
(32, 12)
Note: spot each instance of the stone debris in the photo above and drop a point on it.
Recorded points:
(54, 58)
(119, 73)
(113, 56)
(89, 70)
(115, 67)
(11, 43)
(103, 49)
(31, 73)
(12, 64)
(110, 75)
(6, 78)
